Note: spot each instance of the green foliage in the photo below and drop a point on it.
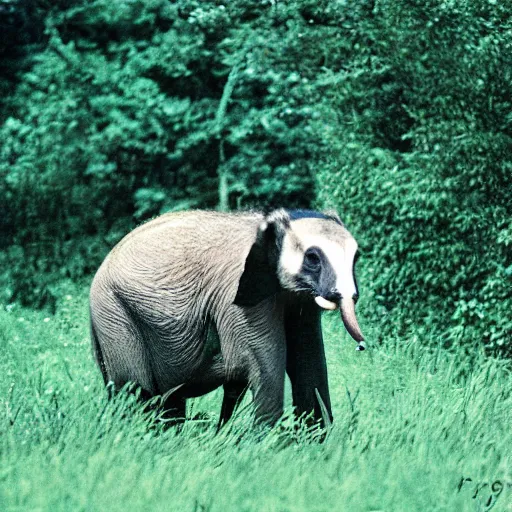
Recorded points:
(131, 109)
(410, 426)
(397, 114)
(421, 166)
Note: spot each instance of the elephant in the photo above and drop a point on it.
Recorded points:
(191, 301)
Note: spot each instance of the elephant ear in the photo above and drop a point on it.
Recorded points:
(259, 279)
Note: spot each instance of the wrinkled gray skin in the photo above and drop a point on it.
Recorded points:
(196, 300)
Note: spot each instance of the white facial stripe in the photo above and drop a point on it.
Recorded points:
(341, 258)
(291, 256)
(344, 271)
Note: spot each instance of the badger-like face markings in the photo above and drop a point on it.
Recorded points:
(317, 257)
(304, 252)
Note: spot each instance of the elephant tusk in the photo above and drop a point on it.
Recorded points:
(348, 315)
(325, 304)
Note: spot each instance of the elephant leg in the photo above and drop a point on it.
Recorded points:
(266, 378)
(305, 360)
(268, 392)
(171, 410)
(253, 346)
(121, 350)
(120, 347)
(233, 395)
(174, 410)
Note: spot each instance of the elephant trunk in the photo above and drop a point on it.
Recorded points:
(348, 315)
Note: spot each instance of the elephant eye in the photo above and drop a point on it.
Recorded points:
(312, 259)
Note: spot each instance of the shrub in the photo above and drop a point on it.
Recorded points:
(131, 109)
(421, 164)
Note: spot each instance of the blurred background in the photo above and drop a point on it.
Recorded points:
(398, 114)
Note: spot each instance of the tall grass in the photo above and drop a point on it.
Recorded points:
(414, 430)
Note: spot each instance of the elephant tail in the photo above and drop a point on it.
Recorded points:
(98, 353)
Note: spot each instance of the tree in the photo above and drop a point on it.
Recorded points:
(422, 163)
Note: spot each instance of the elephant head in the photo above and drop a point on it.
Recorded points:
(307, 253)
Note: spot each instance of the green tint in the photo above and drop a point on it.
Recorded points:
(420, 168)
(409, 427)
(125, 110)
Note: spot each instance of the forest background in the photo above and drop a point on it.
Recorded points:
(396, 113)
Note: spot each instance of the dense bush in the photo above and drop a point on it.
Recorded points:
(130, 109)
(116, 111)
(422, 165)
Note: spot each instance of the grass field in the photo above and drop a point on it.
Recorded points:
(413, 431)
